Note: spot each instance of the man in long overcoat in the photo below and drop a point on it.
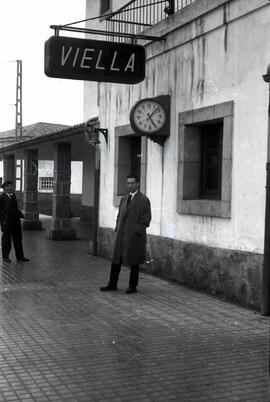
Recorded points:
(133, 218)
(10, 217)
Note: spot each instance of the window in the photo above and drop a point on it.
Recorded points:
(105, 6)
(130, 157)
(45, 183)
(76, 177)
(211, 161)
(205, 161)
(19, 175)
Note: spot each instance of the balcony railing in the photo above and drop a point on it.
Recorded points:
(138, 15)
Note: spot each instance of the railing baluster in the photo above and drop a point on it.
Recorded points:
(141, 11)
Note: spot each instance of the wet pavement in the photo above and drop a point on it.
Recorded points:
(61, 339)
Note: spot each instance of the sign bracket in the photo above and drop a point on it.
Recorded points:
(132, 37)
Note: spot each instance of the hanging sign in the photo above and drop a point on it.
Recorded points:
(94, 60)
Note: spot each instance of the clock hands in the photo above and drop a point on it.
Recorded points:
(150, 118)
(151, 114)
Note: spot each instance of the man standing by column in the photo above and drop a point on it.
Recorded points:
(10, 217)
(133, 218)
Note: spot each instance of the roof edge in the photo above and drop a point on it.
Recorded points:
(55, 135)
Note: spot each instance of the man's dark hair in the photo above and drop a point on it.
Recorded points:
(133, 176)
(6, 183)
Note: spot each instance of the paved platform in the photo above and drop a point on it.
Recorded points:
(61, 339)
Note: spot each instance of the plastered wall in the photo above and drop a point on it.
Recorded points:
(216, 58)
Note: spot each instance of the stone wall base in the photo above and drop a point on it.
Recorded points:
(32, 225)
(45, 204)
(86, 214)
(61, 234)
(233, 275)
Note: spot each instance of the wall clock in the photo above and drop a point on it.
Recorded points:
(148, 116)
(151, 117)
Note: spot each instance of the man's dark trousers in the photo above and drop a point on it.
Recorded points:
(133, 277)
(14, 234)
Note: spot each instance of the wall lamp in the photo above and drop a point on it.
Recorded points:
(92, 133)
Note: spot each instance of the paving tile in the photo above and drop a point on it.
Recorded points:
(61, 339)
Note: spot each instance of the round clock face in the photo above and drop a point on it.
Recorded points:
(148, 116)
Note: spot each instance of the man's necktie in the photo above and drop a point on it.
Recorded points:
(129, 199)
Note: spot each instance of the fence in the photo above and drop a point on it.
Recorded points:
(138, 15)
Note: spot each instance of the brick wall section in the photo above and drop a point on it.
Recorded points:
(45, 204)
(30, 193)
(61, 223)
(9, 171)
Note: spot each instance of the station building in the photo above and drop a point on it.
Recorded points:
(205, 173)
(206, 181)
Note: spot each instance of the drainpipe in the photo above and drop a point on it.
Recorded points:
(96, 199)
(265, 308)
(92, 140)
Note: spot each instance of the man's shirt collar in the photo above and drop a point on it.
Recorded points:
(133, 194)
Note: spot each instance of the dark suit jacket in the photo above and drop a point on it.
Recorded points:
(131, 224)
(9, 213)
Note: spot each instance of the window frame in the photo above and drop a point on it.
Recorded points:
(188, 199)
(205, 193)
(45, 178)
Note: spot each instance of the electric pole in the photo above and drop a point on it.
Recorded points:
(18, 104)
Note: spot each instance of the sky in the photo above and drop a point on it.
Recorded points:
(24, 28)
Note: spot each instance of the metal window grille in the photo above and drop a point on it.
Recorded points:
(138, 15)
(45, 183)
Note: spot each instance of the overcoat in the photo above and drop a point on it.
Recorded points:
(131, 224)
(9, 213)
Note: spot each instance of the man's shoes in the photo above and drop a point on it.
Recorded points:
(23, 259)
(6, 259)
(107, 287)
(131, 290)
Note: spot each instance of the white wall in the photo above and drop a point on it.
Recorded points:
(230, 60)
(76, 177)
(88, 182)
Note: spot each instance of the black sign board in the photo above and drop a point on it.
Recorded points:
(93, 60)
